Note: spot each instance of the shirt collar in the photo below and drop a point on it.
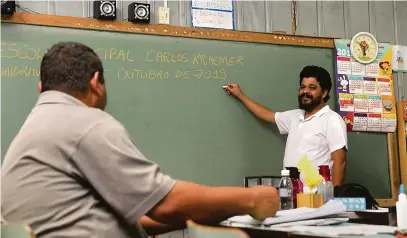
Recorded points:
(321, 112)
(57, 97)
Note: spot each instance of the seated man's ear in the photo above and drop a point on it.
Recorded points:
(39, 86)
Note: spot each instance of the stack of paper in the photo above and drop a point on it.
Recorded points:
(331, 208)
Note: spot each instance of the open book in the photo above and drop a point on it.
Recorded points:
(331, 208)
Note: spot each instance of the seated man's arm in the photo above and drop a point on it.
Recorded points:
(214, 204)
(155, 228)
(133, 186)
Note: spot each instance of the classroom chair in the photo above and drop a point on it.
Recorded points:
(16, 230)
(202, 231)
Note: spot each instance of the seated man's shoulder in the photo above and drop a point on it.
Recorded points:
(93, 112)
(95, 119)
(105, 119)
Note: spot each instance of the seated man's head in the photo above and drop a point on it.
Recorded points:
(75, 69)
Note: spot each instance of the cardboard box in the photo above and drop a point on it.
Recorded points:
(309, 200)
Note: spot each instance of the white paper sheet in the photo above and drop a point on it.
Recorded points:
(212, 19)
(312, 222)
(226, 5)
(332, 207)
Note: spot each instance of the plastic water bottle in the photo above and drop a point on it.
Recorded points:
(286, 191)
(325, 187)
(297, 184)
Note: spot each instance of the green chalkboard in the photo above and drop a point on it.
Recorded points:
(168, 92)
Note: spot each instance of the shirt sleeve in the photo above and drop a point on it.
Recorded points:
(283, 120)
(337, 134)
(119, 172)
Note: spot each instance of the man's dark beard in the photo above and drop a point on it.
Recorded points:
(308, 107)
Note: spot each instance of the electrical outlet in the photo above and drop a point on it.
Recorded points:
(164, 15)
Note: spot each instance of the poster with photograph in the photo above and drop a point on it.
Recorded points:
(365, 92)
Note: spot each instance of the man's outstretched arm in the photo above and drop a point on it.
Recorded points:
(257, 109)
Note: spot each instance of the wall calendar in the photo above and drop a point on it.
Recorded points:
(364, 91)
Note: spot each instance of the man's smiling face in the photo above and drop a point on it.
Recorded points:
(310, 94)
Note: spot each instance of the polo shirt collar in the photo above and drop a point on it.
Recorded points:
(57, 97)
(321, 112)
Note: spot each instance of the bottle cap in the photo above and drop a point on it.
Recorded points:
(285, 172)
(324, 171)
(402, 189)
(294, 172)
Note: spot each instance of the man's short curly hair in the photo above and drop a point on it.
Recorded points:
(68, 67)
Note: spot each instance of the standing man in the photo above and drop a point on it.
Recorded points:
(314, 129)
(74, 171)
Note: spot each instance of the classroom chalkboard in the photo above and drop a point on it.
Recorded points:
(168, 92)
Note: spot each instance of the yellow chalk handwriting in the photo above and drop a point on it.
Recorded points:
(20, 71)
(11, 50)
(166, 57)
(125, 74)
(203, 59)
(114, 54)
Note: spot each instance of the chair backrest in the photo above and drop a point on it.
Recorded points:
(16, 230)
(203, 231)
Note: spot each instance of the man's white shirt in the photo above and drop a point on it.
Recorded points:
(317, 136)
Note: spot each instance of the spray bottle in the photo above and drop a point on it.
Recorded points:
(401, 209)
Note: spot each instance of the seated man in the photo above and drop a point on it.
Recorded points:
(73, 170)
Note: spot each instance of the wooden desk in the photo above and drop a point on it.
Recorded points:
(267, 232)
(371, 218)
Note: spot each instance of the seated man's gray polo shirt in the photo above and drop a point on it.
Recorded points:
(73, 171)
